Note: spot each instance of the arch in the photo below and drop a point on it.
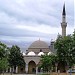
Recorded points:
(31, 67)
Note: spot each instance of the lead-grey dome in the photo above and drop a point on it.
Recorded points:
(39, 44)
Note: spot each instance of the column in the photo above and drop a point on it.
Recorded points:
(56, 66)
(7, 70)
(58, 72)
(13, 68)
(26, 68)
(36, 69)
(10, 69)
(16, 69)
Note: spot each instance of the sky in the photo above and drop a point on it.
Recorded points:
(25, 21)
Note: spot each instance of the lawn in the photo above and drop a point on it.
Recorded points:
(58, 74)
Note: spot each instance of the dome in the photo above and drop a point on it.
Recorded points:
(31, 53)
(49, 53)
(39, 44)
(41, 53)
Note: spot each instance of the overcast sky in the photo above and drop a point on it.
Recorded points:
(24, 21)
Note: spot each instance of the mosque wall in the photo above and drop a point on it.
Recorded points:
(37, 50)
(35, 58)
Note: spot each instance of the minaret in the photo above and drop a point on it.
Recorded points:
(64, 24)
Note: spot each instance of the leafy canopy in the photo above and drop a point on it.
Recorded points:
(65, 48)
(15, 56)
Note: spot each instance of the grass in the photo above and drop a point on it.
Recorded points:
(58, 74)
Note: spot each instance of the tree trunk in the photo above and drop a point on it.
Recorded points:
(3, 72)
(11, 70)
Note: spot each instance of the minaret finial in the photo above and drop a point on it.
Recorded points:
(64, 12)
(64, 24)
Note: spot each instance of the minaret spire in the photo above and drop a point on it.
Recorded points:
(64, 12)
(64, 24)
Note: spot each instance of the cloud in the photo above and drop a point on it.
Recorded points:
(42, 12)
(27, 20)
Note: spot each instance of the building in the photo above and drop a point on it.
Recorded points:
(32, 59)
(38, 48)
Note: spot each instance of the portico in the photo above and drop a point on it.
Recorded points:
(32, 64)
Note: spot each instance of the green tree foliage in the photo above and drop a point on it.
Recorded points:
(3, 57)
(73, 46)
(47, 62)
(65, 52)
(3, 49)
(3, 64)
(16, 57)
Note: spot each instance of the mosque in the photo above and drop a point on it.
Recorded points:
(38, 48)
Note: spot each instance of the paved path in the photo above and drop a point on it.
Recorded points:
(18, 74)
(25, 74)
(38, 74)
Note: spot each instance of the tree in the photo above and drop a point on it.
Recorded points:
(48, 62)
(15, 57)
(3, 64)
(64, 50)
(73, 45)
(3, 57)
(3, 48)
